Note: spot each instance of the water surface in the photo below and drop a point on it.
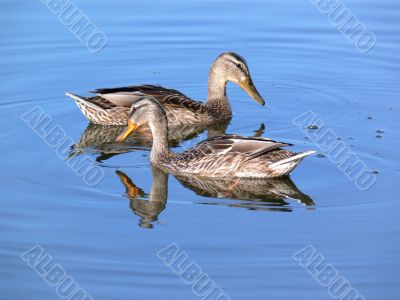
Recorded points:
(107, 236)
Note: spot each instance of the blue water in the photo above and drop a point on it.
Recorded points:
(299, 62)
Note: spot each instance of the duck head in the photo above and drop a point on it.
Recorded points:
(230, 66)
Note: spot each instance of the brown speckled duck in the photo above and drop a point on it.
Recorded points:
(111, 105)
(220, 156)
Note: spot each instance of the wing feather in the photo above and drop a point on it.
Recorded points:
(251, 147)
(126, 96)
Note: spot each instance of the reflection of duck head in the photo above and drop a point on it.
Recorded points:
(102, 139)
(257, 194)
(147, 207)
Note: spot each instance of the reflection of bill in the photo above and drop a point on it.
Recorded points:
(255, 194)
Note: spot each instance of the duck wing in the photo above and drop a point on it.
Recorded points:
(251, 147)
(126, 96)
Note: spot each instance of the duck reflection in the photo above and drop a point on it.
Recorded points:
(147, 206)
(255, 194)
(271, 194)
(102, 139)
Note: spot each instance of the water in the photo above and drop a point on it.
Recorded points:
(244, 240)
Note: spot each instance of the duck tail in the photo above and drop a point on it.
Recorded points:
(73, 96)
(295, 158)
(82, 101)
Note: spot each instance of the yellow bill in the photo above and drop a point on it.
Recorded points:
(127, 131)
(250, 88)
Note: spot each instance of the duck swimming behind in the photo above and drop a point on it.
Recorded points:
(111, 105)
(220, 156)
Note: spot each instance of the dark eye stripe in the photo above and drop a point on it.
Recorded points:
(239, 65)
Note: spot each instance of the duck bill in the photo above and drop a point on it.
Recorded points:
(127, 131)
(250, 88)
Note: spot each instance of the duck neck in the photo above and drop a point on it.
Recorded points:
(217, 100)
(159, 129)
(159, 187)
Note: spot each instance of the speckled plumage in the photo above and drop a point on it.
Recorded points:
(221, 156)
(111, 106)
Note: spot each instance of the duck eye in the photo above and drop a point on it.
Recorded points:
(133, 109)
(240, 66)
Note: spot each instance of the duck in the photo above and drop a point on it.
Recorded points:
(110, 106)
(222, 156)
